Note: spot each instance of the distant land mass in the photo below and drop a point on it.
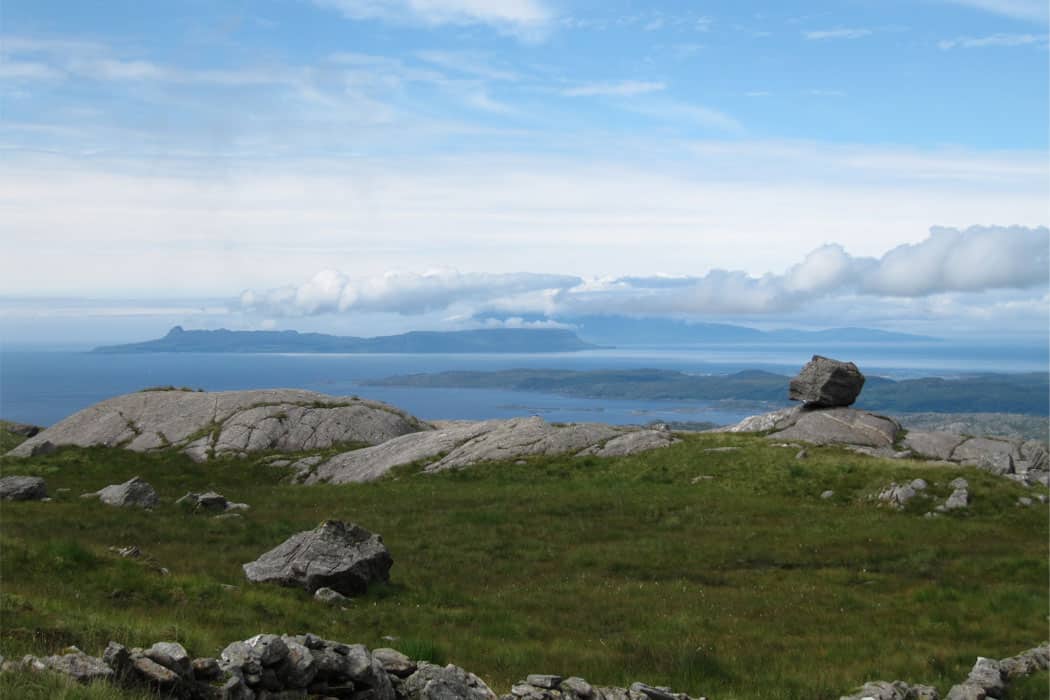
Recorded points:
(626, 330)
(1025, 393)
(492, 340)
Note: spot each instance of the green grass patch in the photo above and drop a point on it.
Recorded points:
(743, 584)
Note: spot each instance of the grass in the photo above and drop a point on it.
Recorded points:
(744, 585)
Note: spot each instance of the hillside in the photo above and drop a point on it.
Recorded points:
(713, 566)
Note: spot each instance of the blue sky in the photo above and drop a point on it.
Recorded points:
(313, 164)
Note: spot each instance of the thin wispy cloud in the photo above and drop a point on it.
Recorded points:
(626, 88)
(468, 62)
(1032, 10)
(528, 19)
(993, 41)
(839, 33)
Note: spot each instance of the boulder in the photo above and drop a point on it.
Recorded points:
(826, 383)
(172, 656)
(990, 454)
(932, 445)
(394, 662)
(22, 429)
(344, 557)
(132, 493)
(22, 488)
(432, 682)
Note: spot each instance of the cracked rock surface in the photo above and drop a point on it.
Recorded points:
(203, 424)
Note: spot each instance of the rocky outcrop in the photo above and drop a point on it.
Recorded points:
(203, 424)
(133, 493)
(22, 488)
(455, 445)
(344, 557)
(21, 429)
(1024, 461)
(826, 383)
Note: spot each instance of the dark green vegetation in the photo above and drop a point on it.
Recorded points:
(1010, 393)
(742, 585)
(492, 340)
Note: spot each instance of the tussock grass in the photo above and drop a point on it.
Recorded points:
(743, 585)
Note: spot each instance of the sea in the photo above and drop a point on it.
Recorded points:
(42, 385)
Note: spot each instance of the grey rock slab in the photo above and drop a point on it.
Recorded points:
(154, 674)
(631, 443)
(845, 426)
(455, 445)
(22, 488)
(134, 492)
(173, 656)
(932, 445)
(827, 383)
(432, 682)
(988, 674)
(343, 557)
(240, 421)
(776, 420)
(543, 680)
(966, 691)
(996, 456)
(394, 662)
(298, 668)
(78, 666)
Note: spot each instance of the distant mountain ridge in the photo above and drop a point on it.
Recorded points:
(626, 330)
(490, 340)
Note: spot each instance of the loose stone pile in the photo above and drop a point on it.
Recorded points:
(988, 680)
(272, 667)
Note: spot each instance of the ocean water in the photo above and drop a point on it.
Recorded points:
(42, 386)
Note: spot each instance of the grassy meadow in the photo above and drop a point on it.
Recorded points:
(720, 573)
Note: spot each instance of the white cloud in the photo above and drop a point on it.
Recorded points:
(525, 18)
(469, 62)
(839, 33)
(976, 259)
(686, 114)
(626, 88)
(992, 40)
(1032, 10)
(330, 291)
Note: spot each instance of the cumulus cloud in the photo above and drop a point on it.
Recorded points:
(330, 291)
(973, 260)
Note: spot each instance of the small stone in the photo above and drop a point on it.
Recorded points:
(541, 680)
(960, 498)
(394, 662)
(173, 656)
(918, 484)
(1024, 501)
(827, 494)
(959, 483)
(802, 454)
(206, 669)
(330, 597)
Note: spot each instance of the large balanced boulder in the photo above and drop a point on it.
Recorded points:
(22, 488)
(826, 383)
(206, 424)
(344, 557)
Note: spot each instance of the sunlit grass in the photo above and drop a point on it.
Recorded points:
(743, 585)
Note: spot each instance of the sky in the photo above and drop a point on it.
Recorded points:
(375, 166)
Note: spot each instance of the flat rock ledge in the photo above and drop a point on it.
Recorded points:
(207, 424)
(270, 666)
(1026, 462)
(455, 445)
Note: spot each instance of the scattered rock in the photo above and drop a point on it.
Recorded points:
(129, 552)
(827, 494)
(394, 662)
(22, 488)
(343, 557)
(77, 665)
(330, 597)
(802, 454)
(959, 498)
(826, 383)
(209, 502)
(132, 493)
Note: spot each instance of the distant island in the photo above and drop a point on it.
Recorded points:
(985, 393)
(491, 340)
(649, 331)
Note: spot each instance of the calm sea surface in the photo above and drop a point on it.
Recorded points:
(43, 386)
